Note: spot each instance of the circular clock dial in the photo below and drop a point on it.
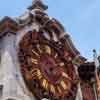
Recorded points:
(44, 69)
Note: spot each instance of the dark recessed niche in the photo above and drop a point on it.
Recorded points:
(1, 90)
(87, 71)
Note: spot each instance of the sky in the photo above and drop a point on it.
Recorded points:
(81, 19)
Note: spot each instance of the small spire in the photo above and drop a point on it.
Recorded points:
(38, 4)
(96, 61)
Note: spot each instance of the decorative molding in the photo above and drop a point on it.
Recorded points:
(8, 25)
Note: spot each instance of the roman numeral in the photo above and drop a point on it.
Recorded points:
(63, 84)
(39, 49)
(45, 84)
(61, 64)
(48, 49)
(52, 88)
(34, 52)
(65, 75)
(39, 75)
(59, 89)
(35, 61)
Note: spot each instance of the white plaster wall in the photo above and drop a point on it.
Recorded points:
(10, 77)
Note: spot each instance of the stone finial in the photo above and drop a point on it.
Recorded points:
(38, 4)
(94, 50)
(36, 1)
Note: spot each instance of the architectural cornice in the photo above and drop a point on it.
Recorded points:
(8, 25)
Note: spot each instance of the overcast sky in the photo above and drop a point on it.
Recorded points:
(81, 19)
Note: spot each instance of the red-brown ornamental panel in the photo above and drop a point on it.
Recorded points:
(47, 73)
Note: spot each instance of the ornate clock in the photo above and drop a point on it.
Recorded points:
(45, 70)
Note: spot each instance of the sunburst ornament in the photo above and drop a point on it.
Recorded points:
(44, 69)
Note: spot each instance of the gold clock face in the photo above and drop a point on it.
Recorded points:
(44, 70)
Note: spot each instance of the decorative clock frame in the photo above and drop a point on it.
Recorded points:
(46, 59)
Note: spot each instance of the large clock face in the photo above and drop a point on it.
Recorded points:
(44, 69)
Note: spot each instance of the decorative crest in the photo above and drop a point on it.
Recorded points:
(38, 4)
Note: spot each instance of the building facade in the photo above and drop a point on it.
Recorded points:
(38, 60)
